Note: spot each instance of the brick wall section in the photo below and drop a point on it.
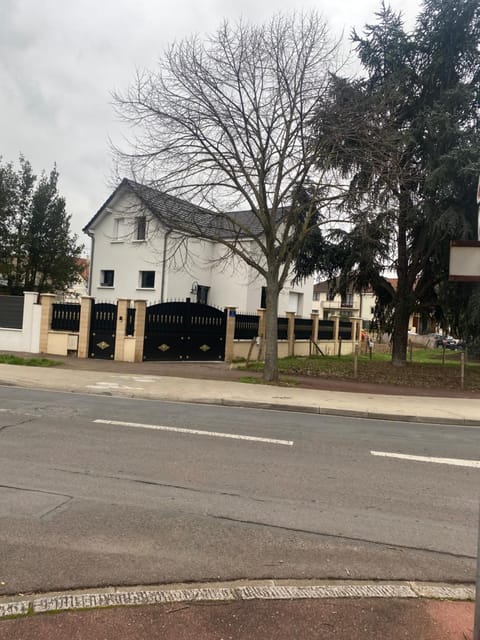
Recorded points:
(230, 333)
(46, 300)
(140, 314)
(84, 333)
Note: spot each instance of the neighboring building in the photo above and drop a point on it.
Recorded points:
(135, 256)
(79, 288)
(351, 304)
(329, 302)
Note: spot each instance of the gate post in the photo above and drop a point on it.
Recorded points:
(336, 330)
(84, 329)
(315, 321)
(230, 333)
(291, 333)
(140, 314)
(121, 328)
(356, 324)
(46, 300)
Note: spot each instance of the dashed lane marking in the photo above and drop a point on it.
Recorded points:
(456, 462)
(196, 432)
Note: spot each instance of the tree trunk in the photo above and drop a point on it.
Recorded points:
(400, 332)
(403, 295)
(270, 371)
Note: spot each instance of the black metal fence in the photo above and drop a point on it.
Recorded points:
(246, 326)
(325, 330)
(282, 328)
(345, 330)
(65, 316)
(303, 328)
(11, 312)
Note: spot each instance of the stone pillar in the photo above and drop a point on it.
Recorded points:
(46, 300)
(315, 321)
(84, 331)
(121, 328)
(336, 331)
(140, 313)
(230, 333)
(356, 324)
(291, 332)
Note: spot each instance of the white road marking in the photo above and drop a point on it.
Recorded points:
(196, 432)
(456, 462)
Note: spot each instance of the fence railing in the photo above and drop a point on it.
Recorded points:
(303, 328)
(246, 326)
(65, 316)
(345, 330)
(282, 328)
(325, 330)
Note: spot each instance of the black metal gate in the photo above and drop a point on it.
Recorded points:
(103, 325)
(184, 331)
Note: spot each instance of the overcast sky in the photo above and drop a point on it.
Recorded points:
(61, 59)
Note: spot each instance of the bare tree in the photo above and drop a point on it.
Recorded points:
(224, 123)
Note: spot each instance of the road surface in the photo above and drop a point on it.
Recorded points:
(102, 490)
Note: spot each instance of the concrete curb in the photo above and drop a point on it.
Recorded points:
(253, 404)
(330, 411)
(227, 592)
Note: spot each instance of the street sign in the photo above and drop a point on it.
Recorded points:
(464, 261)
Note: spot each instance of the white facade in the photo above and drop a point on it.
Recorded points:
(140, 260)
(28, 337)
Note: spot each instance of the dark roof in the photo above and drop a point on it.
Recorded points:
(180, 214)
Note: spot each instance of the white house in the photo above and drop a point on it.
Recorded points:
(135, 256)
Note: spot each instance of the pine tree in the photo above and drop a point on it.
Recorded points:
(406, 139)
(39, 252)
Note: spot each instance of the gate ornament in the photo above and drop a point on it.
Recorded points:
(204, 348)
(102, 345)
(164, 347)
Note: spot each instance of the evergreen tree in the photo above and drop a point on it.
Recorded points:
(38, 253)
(406, 139)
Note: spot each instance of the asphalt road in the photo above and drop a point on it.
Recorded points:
(86, 500)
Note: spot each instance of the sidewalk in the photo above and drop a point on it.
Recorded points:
(138, 381)
(246, 611)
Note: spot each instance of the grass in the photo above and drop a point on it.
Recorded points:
(284, 382)
(426, 370)
(7, 358)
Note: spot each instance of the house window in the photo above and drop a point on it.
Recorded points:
(347, 300)
(202, 293)
(316, 296)
(331, 295)
(106, 277)
(146, 280)
(140, 228)
(263, 298)
(118, 229)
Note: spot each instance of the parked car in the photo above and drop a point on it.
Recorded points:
(448, 342)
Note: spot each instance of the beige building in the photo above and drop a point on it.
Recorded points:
(352, 304)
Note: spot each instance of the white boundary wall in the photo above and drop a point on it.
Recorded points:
(28, 337)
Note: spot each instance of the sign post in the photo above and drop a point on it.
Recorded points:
(464, 261)
(476, 621)
(465, 267)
